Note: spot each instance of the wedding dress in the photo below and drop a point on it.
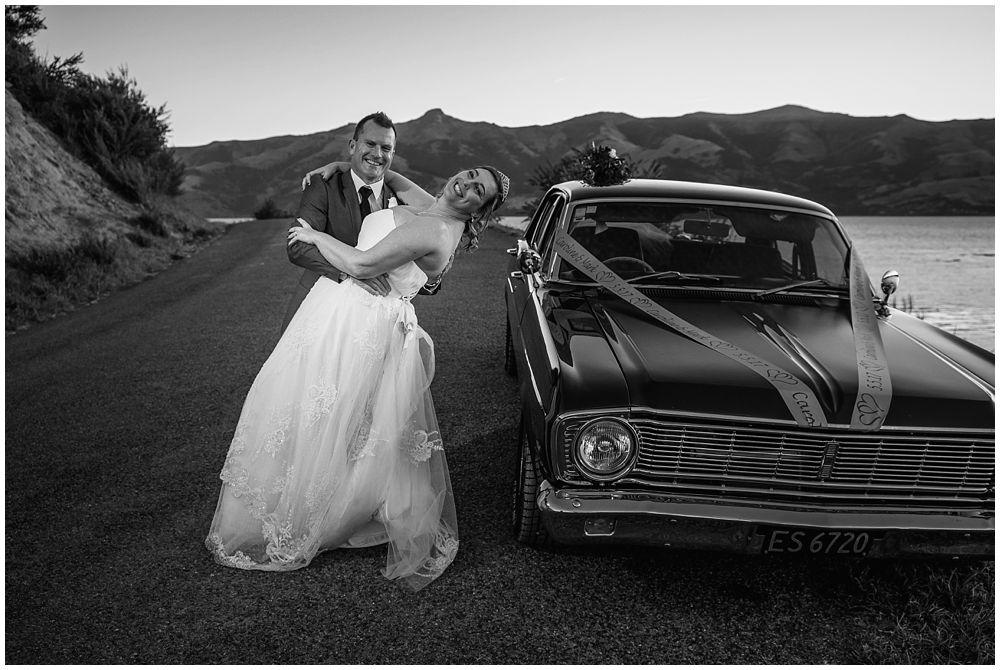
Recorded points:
(338, 444)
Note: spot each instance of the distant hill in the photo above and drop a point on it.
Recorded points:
(872, 165)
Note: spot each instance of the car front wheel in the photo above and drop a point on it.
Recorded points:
(527, 519)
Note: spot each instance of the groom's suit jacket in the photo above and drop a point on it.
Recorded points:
(332, 207)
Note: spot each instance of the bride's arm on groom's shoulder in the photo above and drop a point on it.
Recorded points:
(401, 245)
(408, 191)
(325, 172)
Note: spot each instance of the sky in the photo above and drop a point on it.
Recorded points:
(240, 72)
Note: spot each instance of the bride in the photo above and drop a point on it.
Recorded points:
(338, 444)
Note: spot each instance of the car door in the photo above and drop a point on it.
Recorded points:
(534, 351)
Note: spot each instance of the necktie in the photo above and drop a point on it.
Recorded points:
(366, 208)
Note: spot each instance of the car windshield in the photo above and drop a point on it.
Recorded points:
(739, 247)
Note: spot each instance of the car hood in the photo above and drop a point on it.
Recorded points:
(938, 381)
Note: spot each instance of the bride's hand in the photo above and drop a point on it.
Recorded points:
(302, 233)
(325, 172)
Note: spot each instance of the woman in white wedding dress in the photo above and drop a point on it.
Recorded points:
(338, 444)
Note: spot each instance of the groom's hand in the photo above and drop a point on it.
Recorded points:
(376, 285)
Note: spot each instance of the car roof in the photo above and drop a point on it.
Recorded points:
(689, 190)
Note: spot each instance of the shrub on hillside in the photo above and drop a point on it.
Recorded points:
(151, 220)
(269, 210)
(105, 121)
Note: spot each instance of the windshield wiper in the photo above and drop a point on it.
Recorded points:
(798, 284)
(674, 274)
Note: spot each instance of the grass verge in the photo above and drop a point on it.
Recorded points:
(43, 282)
(924, 613)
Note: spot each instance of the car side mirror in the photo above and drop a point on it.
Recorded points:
(890, 282)
(529, 261)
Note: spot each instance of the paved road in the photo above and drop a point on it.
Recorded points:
(119, 415)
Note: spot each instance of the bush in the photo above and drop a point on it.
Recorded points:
(269, 210)
(53, 263)
(152, 221)
(105, 121)
(98, 249)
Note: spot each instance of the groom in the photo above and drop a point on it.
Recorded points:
(338, 206)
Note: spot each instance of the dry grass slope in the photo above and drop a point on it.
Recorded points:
(68, 238)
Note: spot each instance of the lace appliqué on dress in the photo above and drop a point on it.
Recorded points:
(279, 424)
(304, 334)
(282, 547)
(236, 560)
(441, 555)
(422, 444)
(239, 443)
(320, 399)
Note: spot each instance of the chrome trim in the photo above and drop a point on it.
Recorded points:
(762, 422)
(618, 516)
(573, 501)
(703, 201)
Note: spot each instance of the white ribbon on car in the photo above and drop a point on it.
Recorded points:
(874, 383)
(797, 395)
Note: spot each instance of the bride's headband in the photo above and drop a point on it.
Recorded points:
(503, 184)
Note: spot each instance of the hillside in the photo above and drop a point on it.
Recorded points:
(52, 199)
(878, 165)
(68, 238)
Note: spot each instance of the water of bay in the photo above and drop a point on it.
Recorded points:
(946, 267)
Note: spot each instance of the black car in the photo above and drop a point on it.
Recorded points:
(708, 367)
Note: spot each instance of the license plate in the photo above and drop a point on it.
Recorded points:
(813, 541)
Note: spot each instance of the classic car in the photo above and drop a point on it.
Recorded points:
(709, 367)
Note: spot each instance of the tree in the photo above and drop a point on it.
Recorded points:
(105, 121)
(21, 22)
(269, 210)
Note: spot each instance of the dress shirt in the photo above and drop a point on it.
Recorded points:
(376, 187)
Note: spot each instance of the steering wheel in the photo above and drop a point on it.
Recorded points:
(630, 262)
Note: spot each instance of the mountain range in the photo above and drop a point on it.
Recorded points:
(855, 165)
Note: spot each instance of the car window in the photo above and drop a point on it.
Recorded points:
(549, 224)
(742, 246)
(537, 226)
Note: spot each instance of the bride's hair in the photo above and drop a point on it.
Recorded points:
(476, 224)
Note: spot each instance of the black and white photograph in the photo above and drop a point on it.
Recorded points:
(500, 334)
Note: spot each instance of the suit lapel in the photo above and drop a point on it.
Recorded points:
(350, 200)
(386, 194)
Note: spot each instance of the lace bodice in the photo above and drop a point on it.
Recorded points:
(405, 280)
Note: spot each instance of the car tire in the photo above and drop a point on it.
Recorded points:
(528, 528)
(509, 365)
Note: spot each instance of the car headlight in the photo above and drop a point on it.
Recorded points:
(606, 448)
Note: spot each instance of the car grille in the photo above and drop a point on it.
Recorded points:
(741, 461)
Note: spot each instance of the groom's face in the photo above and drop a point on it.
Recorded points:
(371, 153)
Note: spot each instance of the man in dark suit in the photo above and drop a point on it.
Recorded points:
(339, 205)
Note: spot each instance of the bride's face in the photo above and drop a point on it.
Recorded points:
(469, 190)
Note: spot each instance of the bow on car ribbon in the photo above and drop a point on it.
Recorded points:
(798, 396)
(874, 384)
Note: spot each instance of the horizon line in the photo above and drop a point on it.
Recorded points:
(581, 116)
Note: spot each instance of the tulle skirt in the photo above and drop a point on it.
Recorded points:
(338, 445)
